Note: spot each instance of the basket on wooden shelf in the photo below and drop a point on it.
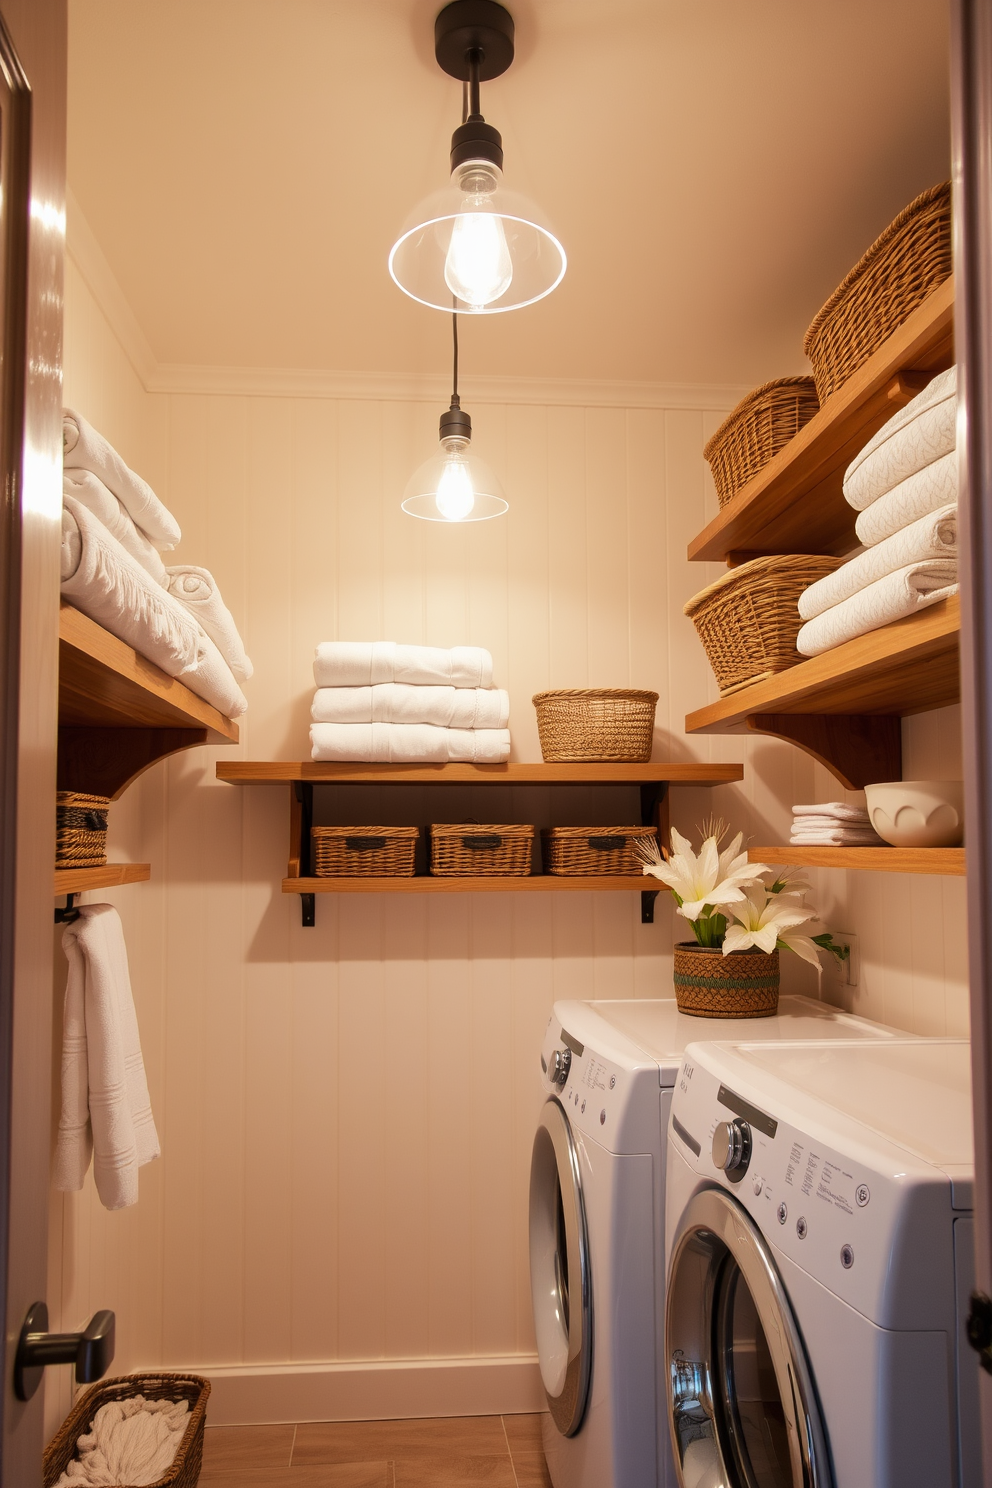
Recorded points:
(748, 620)
(364, 852)
(760, 425)
(581, 852)
(472, 850)
(601, 724)
(80, 830)
(185, 1469)
(912, 256)
(709, 984)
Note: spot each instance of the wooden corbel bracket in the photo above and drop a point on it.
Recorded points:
(858, 748)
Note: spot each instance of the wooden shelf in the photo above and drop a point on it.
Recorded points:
(111, 875)
(796, 503)
(254, 771)
(537, 883)
(946, 861)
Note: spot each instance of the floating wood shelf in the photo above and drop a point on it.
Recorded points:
(111, 875)
(536, 883)
(252, 771)
(946, 861)
(796, 503)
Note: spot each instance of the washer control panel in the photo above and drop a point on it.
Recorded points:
(731, 1149)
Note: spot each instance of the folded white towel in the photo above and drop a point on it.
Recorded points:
(106, 1112)
(367, 663)
(211, 678)
(927, 491)
(132, 1441)
(398, 702)
(837, 837)
(836, 810)
(933, 536)
(802, 824)
(89, 489)
(407, 743)
(914, 437)
(84, 449)
(196, 588)
(898, 594)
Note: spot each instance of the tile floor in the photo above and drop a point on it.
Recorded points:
(451, 1452)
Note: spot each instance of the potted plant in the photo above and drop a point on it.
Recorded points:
(740, 923)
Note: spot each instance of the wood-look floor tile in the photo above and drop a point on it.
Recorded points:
(228, 1447)
(327, 1475)
(375, 1441)
(524, 1432)
(449, 1471)
(531, 1470)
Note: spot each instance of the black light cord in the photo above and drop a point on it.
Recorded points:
(454, 363)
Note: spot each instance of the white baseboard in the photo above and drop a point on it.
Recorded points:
(261, 1394)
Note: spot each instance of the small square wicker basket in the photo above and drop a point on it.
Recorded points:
(364, 852)
(587, 852)
(470, 850)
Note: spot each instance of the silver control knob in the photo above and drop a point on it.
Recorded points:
(732, 1147)
(561, 1060)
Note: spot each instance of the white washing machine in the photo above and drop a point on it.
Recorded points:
(820, 1260)
(597, 1224)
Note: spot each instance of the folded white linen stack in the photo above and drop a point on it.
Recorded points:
(904, 484)
(389, 704)
(832, 824)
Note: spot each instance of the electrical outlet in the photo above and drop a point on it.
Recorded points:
(846, 972)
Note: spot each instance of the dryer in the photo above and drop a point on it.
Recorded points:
(597, 1196)
(820, 1260)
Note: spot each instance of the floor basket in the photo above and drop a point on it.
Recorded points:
(709, 984)
(912, 256)
(581, 852)
(80, 830)
(595, 724)
(185, 1469)
(748, 620)
(364, 852)
(760, 425)
(468, 850)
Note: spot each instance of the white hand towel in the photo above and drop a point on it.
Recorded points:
(836, 810)
(836, 837)
(106, 1112)
(407, 743)
(898, 594)
(927, 491)
(917, 435)
(211, 678)
(367, 663)
(89, 489)
(196, 588)
(397, 702)
(933, 536)
(132, 1441)
(84, 449)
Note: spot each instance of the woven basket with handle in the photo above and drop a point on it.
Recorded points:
(80, 830)
(595, 724)
(912, 256)
(748, 620)
(364, 852)
(473, 849)
(580, 852)
(709, 984)
(760, 425)
(185, 1469)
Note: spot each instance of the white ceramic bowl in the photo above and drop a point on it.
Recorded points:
(918, 813)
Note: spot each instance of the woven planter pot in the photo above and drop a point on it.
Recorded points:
(185, 1469)
(709, 984)
(760, 425)
(595, 724)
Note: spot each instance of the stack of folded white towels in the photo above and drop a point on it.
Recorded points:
(833, 824)
(391, 704)
(904, 484)
(114, 532)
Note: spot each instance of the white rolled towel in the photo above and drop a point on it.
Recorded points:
(913, 438)
(131, 1441)
(926, 491)
(211, 678)
(932, 536)
(398, 702)
(839, 811)
(196, 588)
(89, 490)
(368, 663)
(83, 448)
(898, 594)
(407, 743)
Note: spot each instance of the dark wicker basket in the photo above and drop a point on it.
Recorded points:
(80, 830)
(471, 850)
(760, 425)
(912, 256)
(185, 1469)
(585, 852)
(364, 852)
(595, 723)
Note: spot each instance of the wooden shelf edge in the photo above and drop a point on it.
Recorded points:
(111, 875)
(240, 772)
(945, 861)
(543, 883)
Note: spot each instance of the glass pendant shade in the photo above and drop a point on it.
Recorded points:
(454, 486)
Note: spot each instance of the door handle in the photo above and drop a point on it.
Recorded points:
(92, 1351)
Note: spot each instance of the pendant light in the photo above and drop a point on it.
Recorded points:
(454, 485)
(476, 244)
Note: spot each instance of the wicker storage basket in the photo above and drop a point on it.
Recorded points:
(748, 619)
(80, 830)
(581, 852)
(470, 850)
(912, 256)
(185, 1469)
(760, 425)
(595, 724)
(709, 984)
(364, 852)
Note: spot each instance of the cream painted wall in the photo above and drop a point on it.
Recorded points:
(346, 1112)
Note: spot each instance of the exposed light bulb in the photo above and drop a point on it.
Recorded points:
(455, 492)
(477, 267)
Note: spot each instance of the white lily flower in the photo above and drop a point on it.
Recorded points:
(763, 919)
(711, 880)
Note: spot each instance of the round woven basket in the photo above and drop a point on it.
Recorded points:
(185, 1469)
(760, 425)
(709, 984)
(748, 620)
(80, 830)
(595, 724)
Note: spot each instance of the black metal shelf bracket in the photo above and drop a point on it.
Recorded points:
(68, 915)
(308, 910)
(648, 896)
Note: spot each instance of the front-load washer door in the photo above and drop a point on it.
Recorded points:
(741, 1401)
(559, 1270)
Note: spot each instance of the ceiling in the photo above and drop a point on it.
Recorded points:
(713, 169)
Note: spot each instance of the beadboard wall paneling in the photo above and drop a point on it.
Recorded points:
(346, 1112)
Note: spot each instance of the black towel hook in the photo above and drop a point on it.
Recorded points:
(69, 914)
